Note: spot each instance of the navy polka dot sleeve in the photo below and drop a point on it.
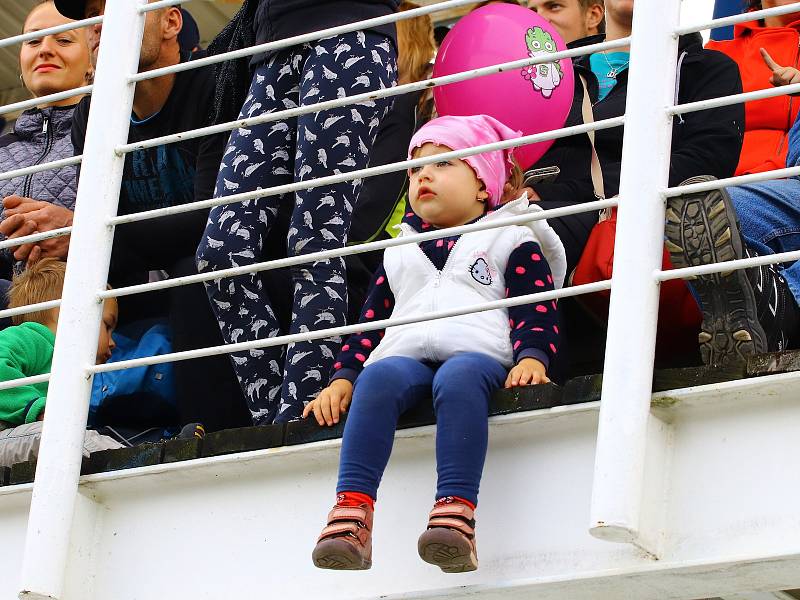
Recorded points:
(380, 301)
(534, 327)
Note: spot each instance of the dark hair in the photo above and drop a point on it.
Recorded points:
(752, 5)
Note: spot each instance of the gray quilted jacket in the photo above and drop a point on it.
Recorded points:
(39, 136)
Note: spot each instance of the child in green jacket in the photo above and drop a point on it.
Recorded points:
(26, 349)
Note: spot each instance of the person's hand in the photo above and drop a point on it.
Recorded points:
(780, 75)
(17, 226)
(331, 402)
(511, 193)
(528, 371)
(25, 216)
(34, 256)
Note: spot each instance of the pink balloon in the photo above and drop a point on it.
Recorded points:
(534, 99)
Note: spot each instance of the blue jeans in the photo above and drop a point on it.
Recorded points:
(461, 388)
(769, 214)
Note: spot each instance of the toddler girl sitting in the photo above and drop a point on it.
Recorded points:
(459, 361)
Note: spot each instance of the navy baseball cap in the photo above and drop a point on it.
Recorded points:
(72, 9)
(189, 37)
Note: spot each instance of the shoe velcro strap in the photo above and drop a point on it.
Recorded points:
(454, 509)
(347, 513)
(339, 529)
(457, 524)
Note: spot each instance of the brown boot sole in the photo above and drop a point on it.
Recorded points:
(338, 554)
(700, 229)
(449, 550)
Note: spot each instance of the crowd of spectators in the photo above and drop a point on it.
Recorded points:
(743, 312)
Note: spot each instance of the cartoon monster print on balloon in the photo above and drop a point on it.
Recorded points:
(544, 77)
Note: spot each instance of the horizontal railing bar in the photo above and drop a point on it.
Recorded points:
(160, 4)
(368, 172)
(740, 18)
(731, 265)
(718, 184)
(19, 382)
(349, 329)
(690, 107)
(35, 237)
(41, 100)
(32, 35)
(357, 249)
(368, 96)
(56, 164)
(29, 308)
(300, 39)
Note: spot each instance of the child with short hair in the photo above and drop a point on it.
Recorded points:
(461, 361)
(26, 350)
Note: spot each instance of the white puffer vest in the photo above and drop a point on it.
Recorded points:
(473, 274)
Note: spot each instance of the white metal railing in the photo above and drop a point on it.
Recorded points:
(26, 104)
(512, 65)
(58, 467)
(617, 490)
(368, 172)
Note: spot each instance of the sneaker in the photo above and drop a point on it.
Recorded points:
(192, 431)
(746, 311)
(346, 542)
(449, 541)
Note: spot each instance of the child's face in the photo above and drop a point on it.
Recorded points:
(445, 193)
(105, 344)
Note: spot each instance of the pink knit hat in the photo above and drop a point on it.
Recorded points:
(460, 133)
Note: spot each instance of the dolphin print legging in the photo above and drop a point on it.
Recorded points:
(281, 152)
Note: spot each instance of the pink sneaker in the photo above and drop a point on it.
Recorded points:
(449, 542)
(346, 543)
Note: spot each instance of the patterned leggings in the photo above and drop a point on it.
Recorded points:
(278, 153)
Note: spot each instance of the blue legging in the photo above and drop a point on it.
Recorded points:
(281, 152)
(461, 388)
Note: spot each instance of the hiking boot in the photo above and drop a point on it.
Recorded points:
(449, 542)
(746, 311)
(346, 542)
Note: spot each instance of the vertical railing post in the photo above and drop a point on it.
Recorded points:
(630, 347)
(47, 542)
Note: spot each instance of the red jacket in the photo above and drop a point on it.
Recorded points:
(767, 122)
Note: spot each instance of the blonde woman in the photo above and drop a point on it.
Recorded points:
(49, 64)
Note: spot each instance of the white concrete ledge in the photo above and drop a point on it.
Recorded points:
(721, 506)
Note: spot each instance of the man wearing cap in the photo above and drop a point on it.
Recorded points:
(167, 175)
(189, 37)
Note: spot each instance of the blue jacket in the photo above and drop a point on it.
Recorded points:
(142, 395)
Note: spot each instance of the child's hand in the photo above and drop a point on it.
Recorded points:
(511, 193)
(528, 371)
(780, 75)
(331, 401)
